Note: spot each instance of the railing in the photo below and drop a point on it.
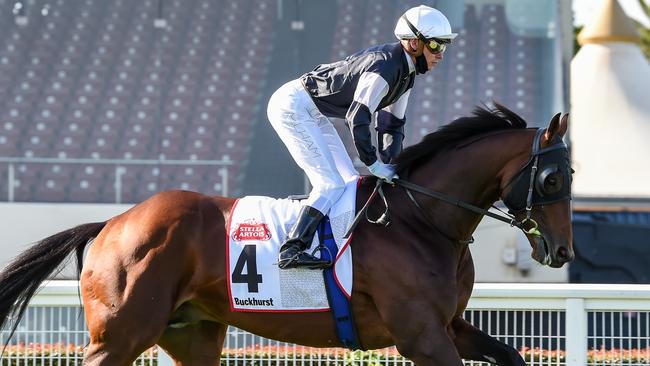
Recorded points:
(552, 324)
(119, 169)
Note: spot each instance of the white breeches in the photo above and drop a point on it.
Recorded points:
(313, 143)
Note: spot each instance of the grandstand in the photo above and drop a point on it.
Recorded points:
(113, 101)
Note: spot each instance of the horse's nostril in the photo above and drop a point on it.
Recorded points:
(563, 253)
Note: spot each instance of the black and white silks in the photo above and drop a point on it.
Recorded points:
(378, 79)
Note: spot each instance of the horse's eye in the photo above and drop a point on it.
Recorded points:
(549, 180)
(553, 183)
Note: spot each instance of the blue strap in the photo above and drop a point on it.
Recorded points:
(339, 303)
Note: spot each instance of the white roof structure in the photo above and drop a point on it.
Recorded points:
(610, 109)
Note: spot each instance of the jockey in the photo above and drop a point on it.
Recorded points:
(377, 79)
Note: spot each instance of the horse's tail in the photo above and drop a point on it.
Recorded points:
(21, 278)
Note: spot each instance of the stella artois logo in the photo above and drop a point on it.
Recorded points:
(251, 230)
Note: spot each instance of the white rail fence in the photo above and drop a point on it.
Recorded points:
(552, 324)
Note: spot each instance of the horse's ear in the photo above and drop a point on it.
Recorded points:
(564, 125)
(553, 127)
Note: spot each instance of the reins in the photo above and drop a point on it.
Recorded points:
(432, 223)
(527, 225)
(384, 219)
(506, 217)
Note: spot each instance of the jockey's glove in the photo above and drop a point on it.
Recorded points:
(383, 171)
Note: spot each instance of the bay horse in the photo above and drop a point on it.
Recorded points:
(156, 274)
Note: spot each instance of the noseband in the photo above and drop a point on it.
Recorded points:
(551, 183)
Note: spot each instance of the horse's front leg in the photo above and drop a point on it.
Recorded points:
(419, 334)
(473, 344)
(428, 344)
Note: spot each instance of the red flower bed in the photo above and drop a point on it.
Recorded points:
(539, 354)
(296, 355)
(56, 354)
(620, 356)
(24, 355)
(337, 356)
(38, 350)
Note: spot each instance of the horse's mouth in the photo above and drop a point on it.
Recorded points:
(542, 252)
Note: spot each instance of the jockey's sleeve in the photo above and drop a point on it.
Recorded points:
(369, 92)
(390, 128)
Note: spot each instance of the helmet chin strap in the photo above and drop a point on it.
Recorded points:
(421, 65)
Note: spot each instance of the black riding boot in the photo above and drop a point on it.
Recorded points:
(300, 236)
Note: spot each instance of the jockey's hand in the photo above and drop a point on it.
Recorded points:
(383, 171)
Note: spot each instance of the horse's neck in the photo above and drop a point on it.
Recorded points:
(472, 175)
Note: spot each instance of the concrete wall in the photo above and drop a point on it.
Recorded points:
(23, 224)
(501, 253)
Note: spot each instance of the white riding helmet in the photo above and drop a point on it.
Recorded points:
(429, 21)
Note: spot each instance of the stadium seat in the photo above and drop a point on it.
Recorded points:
(134, 148)
(53, 182)
(8, 146)
(10, 134)
(88, 184)
(67, 147)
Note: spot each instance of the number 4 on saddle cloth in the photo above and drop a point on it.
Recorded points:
(257, 228)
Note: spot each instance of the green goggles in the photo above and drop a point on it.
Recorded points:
(435, 46)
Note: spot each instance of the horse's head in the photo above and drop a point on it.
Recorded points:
(532, 176)
(539, 194)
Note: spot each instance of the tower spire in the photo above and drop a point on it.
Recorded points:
(611, 24)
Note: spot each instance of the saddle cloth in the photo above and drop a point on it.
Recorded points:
(257, 228)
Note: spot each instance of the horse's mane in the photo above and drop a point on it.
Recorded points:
(482, 121)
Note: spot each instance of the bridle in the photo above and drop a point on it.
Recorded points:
(545, 166)
(553, 159)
